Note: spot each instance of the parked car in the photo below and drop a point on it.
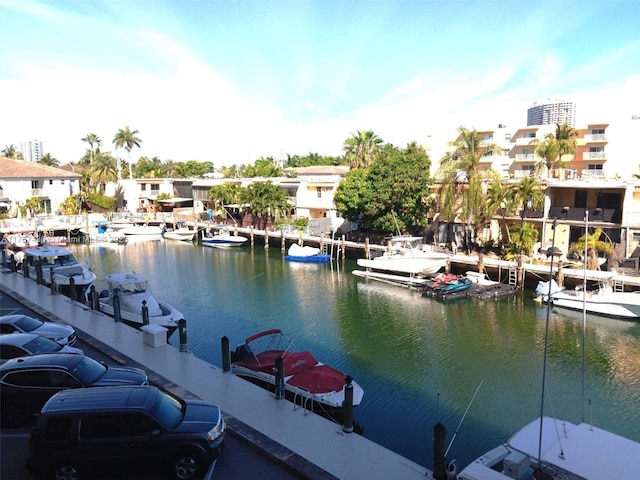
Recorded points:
(62, 334)
(26, 383)
(113, 431)
(20, 344)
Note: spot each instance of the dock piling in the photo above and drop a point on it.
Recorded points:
(116, 308)
(182, 329)
(226, 354)
(145, 313)
(347, 407)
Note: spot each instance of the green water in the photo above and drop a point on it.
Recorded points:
(418, 359)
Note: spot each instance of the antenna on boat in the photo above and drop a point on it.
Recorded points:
(463, 417)
(550, 252)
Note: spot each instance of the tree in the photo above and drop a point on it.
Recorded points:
(127, 139)
(103, 171)
(10, 151)
(265, 200)
(361, 148)
(594, 246)
(94, 141)
(391, 194)
(554, 147)
(222, 195)
(498, 200)
(48, 160)
(462, 192)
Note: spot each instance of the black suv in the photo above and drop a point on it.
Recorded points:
(26, 383)
(118, 431)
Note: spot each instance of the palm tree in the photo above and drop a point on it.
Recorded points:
(555, 146)
(10, 151)
(103, 171)
(498, 200)
(47, 159)
(94, 141)
(463, 187)
(127, 139)
(528, 194)
(361, 148)
(594, 245)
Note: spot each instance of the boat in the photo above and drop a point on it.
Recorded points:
(142, 230)
(306, 254)
(20, 241)
(607, 300)
(58, 268)
(546, 288)
(446, 285)
(552, 448)
(222, 238)
(182, 234)
(407, 255)
(133, 292)
(307, 381)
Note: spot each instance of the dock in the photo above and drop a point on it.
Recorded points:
(309, 445)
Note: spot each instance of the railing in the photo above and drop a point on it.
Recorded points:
(592, 173)
(522, 157)
(595, 137)
(593, 156)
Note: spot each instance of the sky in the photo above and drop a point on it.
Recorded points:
(232, 81)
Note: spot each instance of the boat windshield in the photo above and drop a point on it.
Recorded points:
(138, 287)
(58, 261)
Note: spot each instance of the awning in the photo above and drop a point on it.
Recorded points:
(175, 200)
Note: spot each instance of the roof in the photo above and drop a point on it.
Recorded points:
(112, 398)
(18, 169)
(48, 360)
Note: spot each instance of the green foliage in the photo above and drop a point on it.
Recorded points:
(389, 195)
(361, 149)
(69, 206)
(313, 159)
(104, 202)
(523, 239)
(263, 167)
(594, 246)
(266, 200)
(301, 223)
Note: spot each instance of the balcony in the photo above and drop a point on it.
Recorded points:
(524, 140)
(595, 137)
(594, 156)
(525, 157)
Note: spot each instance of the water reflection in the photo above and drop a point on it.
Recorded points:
(418, 359)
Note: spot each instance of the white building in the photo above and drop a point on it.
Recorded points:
(31, 150)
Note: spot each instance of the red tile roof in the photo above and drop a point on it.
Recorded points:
(10, 168)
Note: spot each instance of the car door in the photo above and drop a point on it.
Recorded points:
(11, 351)
(101, 442)
(29, 389)
(142, 439)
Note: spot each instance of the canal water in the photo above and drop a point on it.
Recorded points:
(419, 360)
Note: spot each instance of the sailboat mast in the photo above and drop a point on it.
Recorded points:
(551, 252)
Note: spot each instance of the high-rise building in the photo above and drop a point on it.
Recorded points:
(31, 151)
(551, 112)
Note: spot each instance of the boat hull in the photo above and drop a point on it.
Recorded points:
(222, 241)
(406, 265)
(182, 236)
(614, 304)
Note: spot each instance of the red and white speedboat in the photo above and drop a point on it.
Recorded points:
(307, 381)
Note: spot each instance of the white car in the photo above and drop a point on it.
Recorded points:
(59, 333)
(20, 344)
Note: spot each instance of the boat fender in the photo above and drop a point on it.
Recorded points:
(452, 470)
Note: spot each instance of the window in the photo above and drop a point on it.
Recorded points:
(63, 379)
(50, 182)
(596, 149)
(100, 426)
(57, 429)
(35, 184)
(597, 131)
(529, 135)
(319, 192)
(155, 187)
(596, 166)
(28, 378)
(137, 424)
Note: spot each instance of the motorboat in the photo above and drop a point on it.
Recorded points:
(447, 285)
(58, 268)
(568, 451)
(142, 230)
(546, 288)
(607, 299)
(180, 232)
(407, 255)
(133, 293)
(223, 238)
(306, 254)
(307, 381)
(183, 234)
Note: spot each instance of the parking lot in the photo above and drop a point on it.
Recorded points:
(239, 460)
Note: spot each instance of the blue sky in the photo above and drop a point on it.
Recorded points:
(231, 81)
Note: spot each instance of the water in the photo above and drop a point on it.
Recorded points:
(418, 359)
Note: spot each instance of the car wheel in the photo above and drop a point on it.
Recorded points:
(67, 470)
(12, 416)
(186, 465)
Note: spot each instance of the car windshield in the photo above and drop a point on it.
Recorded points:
(42, 345)
(88, 370)
(28, 324)
(169, 410)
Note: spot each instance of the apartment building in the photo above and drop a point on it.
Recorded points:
(551, 112)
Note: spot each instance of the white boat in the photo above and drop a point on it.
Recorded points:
(223, 238)
(142, 230)
(306, 380)
(133, 292)
(58, 266)
(407, 255)
(180, 234)
(557, 449)
(306, 254)
(544, 288)
(606, 300)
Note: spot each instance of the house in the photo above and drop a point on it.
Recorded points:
(20, 181)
